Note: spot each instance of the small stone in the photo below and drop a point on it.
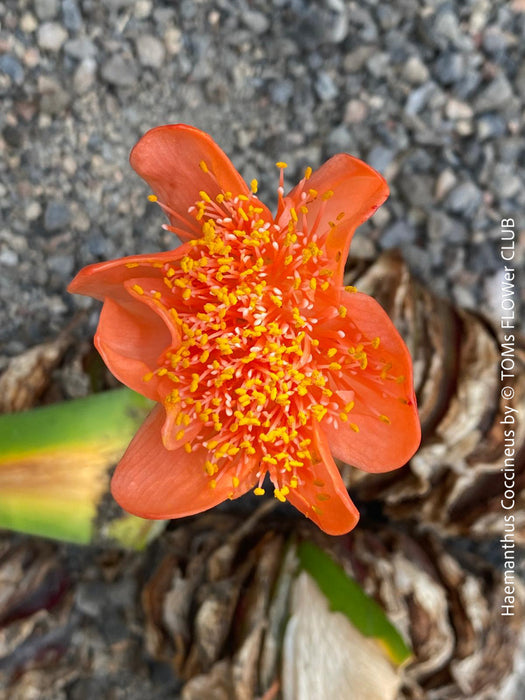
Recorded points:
(444, 183)
(442, 228)
(256, 22)
(12, 136)
(51, 36)
(84, 76)
(490, 126)
(455, 109)
(378, 64)
(281, 92)
(54, 99)
(418, 98)
(12, 67)
(143, 9)
(150, 51)
(494, 96)
(464, 199)
(380, 158)
(120, 70)
(398, 234)
(46, 9)
(450, 67)
(325, 87)
(56, 216)
(8, 258)
(173, 40)
(33, 210)
(355, 112)
(80, 48)
(417, 189)
(505, 183)
(71, 15)
(415, 71)
(28, 22)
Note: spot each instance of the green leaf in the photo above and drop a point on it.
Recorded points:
(54, 462)
(345, 595)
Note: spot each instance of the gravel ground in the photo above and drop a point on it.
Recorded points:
(429, 93)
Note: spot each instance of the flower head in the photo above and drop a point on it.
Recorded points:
(259, 359)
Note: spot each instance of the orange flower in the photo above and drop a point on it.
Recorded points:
(259, 359)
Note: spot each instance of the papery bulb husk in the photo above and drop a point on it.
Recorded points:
(222, 597)
(455, 481)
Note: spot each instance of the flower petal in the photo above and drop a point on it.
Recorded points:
(358, 190)
(153, 482)
(107, 279)
(322, 495)
(130, 337)
(169, 158)
(385, 411)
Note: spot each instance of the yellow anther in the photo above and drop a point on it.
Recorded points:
(205, 196)
(137, 288)
(258, 491)
(313, 193)
(313, 283)
(235, 481)
(281, 164)
(187, 447)
(334, 366)
(349, 406)
(342, 311)
(350, 288)
(328, 194)
(152, 197)
(213, 484)
(343, 417)
(354, 427)
(243, 214)
(331, 352)
(186, 294)
(307, 173)
(293, 482)
(254, 186)
(375, 342)
(385, 419)
(131, 265)
(279, 495)
(203, 166)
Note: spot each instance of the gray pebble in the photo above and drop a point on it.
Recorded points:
(494, 96)
(443, 228)
(9, 258)
(380, 158)
(398, 234)
(464, 199)
(449, 68)
(257, 22)
(325, 87)
(71, 15)
(489, 126)
(51, 36)
(10, 65)
(415, 71)
(80, 47)
(56, 216)
(84, 76)
(46, 9)
(505, 183)
(120, 70)
(150, 51)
